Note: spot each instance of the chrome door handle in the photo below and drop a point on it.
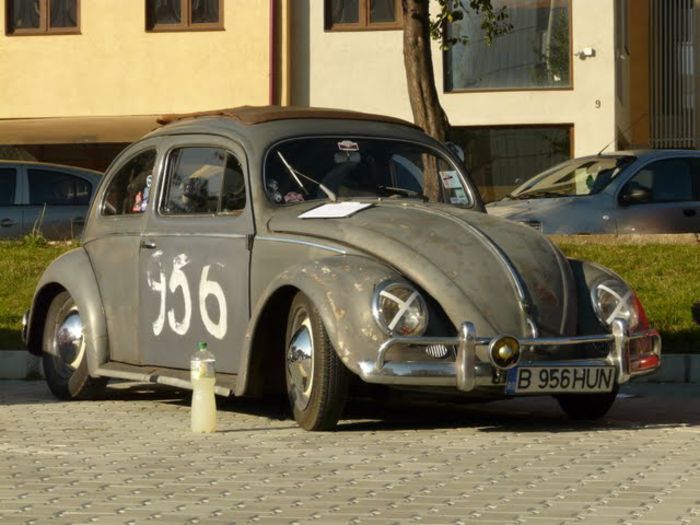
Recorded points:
(150, 245)
(7, 223)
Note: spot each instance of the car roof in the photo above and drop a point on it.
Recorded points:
(38, 164)
(252, 115)
(646, 152)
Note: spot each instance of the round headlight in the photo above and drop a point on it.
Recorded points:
(613, 299)
(400, 309)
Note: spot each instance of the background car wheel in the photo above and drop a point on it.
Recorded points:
(587, 406)
(65, 363)
(317, 381)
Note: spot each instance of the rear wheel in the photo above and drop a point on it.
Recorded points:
(317, 381)
(65, 363)
(587, 406)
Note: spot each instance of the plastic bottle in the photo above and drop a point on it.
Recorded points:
(203, 400)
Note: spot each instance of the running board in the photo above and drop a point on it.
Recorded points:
(225, 383)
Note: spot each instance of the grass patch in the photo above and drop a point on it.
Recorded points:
(666, 278)
(22, 264)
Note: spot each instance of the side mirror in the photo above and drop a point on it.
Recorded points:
(635, 194)
(455, 149)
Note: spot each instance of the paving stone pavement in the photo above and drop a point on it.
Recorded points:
(130, 458)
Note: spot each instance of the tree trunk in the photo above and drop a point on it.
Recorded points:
(420, 78)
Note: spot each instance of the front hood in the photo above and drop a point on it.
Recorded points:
(464, 259)
(514, 209)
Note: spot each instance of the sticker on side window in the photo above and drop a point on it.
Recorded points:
(348, 145)
(450, 179)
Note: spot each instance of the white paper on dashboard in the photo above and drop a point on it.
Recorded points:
(335, 210)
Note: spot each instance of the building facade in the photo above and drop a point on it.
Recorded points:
(81, 78)
(570, 78)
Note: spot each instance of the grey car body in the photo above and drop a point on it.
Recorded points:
(317, 300)
(649, 191)
(51, 198)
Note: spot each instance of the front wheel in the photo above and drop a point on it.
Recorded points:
(317, 381)
(63, 345)
(587, 406)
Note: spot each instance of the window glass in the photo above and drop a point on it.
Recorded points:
(64, 13)
(668, 180)
(8, 181)
(382, 11)
(164, 12)
(534, 53)
(203, 181)
(57, 188)
(129, 190)
(26, 14)
(303, 169)
(344, 11)
(205, 11)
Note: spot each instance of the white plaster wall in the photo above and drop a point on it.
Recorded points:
(364, 71)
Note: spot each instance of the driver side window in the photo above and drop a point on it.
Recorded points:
(669, 180)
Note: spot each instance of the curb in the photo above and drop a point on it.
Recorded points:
(675, 368)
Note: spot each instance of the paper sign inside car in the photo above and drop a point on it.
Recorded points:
(336, 210)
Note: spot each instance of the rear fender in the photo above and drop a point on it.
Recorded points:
(73, 273)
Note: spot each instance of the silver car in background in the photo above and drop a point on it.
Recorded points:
(641, 191)
(52, 198)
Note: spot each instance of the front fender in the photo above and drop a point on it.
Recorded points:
(72, 272)
(586, 274)
(341, 288)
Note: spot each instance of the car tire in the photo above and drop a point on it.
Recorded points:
(64, 359)
(317, 380)
(587, 407)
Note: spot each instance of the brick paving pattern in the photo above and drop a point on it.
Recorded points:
(130, 458)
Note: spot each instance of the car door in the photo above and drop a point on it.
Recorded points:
(10, 212)
(195, 256)
(112, 242)
(57, 203)
(670, 202)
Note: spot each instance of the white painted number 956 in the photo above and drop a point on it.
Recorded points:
(177, 284)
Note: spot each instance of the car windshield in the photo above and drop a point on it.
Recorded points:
(347, 167)
(576, 177)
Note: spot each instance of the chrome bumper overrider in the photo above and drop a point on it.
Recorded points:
(466, 372)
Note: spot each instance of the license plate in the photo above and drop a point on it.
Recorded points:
(560, 379)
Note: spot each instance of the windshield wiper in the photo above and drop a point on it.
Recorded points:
(538, 195)
(403, 192)
(294, 174)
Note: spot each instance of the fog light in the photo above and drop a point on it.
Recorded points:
(437, 351)
(504, 352)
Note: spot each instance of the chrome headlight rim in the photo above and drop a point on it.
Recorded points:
(379, 315)
(626, 307)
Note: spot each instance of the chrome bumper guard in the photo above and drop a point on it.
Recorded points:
(466, 373)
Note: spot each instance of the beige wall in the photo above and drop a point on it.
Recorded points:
(364, 71)
(114, 67)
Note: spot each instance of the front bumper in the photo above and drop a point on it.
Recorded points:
(467, 372)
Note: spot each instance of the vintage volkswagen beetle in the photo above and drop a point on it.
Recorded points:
(298, 243)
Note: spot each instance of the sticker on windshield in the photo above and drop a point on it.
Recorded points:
(458, 200)
(450, 179)
(348, 145)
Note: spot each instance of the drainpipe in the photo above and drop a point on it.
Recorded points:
(273, 52)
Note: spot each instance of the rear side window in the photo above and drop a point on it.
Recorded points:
(203, 181)
(8, 182)
(55, 188)
(129, 191)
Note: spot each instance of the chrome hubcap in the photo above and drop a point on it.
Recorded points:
(300, 360)
(69, 340)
